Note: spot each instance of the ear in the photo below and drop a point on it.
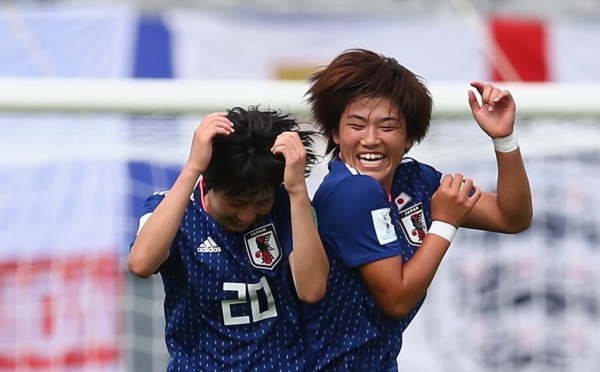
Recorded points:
(336, 137)
(409, 144)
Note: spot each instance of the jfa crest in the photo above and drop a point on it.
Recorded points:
(262, 247)
(413, 224)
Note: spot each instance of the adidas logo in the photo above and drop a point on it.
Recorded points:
(208, 246)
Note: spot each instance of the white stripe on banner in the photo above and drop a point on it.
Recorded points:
(260, 46)
(67, 41)
(61, 208)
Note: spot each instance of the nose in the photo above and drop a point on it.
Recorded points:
(371, 136)
(246, 216)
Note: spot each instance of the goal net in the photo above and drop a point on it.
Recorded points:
(77, 160)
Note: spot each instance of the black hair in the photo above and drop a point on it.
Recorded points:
(242, 162)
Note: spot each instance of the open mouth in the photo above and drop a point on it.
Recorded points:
(370, 159)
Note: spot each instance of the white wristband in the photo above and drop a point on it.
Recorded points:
(506, 144)
(443, 229)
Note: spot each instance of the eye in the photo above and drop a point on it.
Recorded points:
(356, 126)
(264, 202)
(389, 128)
(236, 203)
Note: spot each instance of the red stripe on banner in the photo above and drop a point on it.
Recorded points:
(60, 314)
(92, 356)
(521, 50)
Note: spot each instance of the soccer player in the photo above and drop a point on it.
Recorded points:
(399, 216)
(236, 245)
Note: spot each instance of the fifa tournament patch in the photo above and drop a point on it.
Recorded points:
(263, 247)
(384, 229)
(413, 224)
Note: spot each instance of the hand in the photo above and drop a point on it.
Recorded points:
(496, 114)
(213, 125)
(451, 202)
(290, 146)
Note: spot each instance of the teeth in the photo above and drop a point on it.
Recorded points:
(370, 162)
(370, 159)
(370, 156)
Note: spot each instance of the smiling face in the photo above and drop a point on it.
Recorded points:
(238, 213)
(372, 138)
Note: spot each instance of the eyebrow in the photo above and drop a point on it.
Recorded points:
(382, 120)
(241, 200)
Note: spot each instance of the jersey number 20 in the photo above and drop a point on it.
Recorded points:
(248, 295)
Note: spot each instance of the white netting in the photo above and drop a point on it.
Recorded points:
(526, 302)
(73, 184)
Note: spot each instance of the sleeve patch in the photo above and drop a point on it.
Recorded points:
(384, 229)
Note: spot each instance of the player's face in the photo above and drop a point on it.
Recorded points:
(372, 138)
(240, 212)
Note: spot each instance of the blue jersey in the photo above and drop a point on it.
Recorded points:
(359, 223)
(230, 302)
(412, 188)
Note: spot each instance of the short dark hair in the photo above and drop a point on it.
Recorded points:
(359, 73)
(242, 162)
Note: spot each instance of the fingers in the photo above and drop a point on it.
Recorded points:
(490, 96)
(458, 185)
(220, 121)
(289, 145)
(454, 199)
(455, 182)
(214, 124)
(473, 101)
(474, 198)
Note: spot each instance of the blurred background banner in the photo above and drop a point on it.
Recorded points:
(123, 41)
(67, 41)
(72, 181)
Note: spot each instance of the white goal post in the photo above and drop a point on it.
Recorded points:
(175, 96)
(79, 156)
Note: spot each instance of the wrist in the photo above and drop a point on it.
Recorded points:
(192, 169)
(443, 229)
(505, 144)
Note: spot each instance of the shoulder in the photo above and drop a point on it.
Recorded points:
(154, 200)
(349, 201)
(344, 182)
(412, 165)
(411, 171)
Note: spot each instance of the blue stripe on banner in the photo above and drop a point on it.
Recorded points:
(153, 57)
(144, 179)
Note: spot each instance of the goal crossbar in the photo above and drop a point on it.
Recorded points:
(181, 96)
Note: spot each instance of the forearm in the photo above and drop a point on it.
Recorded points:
(309, 263)
(151, 247)
(398, 287)
(419, 271)
(513, 191)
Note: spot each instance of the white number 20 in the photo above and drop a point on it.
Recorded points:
(252, 296)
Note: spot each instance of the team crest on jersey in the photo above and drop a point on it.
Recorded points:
(262, 247)
(413, 223)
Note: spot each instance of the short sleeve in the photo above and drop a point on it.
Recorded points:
(432, 176)
(355, 221)
(147, 209)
